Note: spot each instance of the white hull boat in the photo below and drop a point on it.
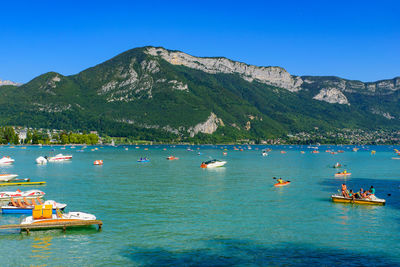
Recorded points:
(65, 217)
(41, 160)
(7, 195)
(6, 161)
(7, 177)
(213, 164)
(59, 157)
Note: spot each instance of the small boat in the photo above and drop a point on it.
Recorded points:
(372, 200)
(341, 174)
(6, 160)
(45, 216)
(395, 158)
(373, 152)
(302, 152)
(41, 160)
(224, 153)
(7, 177)
(59, 157)
(98, 162)
(315, 151)
(264, 153)
(213, 164)
(26, 207)
(7, 195)
(282, 184)
(283, 152)
(172, 158)
(143, 160)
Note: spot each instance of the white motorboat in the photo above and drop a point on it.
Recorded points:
(6, 160)
(7, 177)
(41, 160)
(7, 195)
(212, 164)
(59, 157)
(58, 217)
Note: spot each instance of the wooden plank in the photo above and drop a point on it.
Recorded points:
(52, 225)
(22, 183)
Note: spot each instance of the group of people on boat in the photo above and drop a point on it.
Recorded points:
(361, 194)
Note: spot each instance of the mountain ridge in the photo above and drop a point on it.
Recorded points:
(154, 93)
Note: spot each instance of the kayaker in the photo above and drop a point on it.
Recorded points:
(280, 181)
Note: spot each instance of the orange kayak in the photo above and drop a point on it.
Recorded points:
(285, 183)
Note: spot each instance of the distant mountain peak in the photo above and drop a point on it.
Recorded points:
(8, 82)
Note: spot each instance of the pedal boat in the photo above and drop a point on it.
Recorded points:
(45, 216)
(19, 207)
(342, 174)
(7, 195)
(213, 164)
(366, 201)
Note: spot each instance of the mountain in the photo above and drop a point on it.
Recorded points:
(158, 94)
(7, 82)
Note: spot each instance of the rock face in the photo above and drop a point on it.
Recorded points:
(7, 82)
(332, 95)
(208, 127)
(275, 76)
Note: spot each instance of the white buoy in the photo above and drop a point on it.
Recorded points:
(41, 160)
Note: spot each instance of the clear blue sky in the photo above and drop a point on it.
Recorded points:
(351, 39)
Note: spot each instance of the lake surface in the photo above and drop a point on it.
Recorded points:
(175, 213)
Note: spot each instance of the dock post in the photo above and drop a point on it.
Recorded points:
(64, 228)
(27, 231)
(100, 225)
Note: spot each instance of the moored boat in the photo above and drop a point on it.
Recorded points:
(172, 158)
(98, 162)
(213, 164)
(7, 177)
(372, 200)
(44, 215)
(59, 157)
(6, 160)
(26, 207)
(41, 160)
(7, 195)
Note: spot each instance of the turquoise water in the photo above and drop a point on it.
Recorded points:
(175, 213)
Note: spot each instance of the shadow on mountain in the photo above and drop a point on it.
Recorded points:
(386, 189)
(232, 252)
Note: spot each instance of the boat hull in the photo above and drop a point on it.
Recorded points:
(357, 201)
(10, 210)
(283, 184)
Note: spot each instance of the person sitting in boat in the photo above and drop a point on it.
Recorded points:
(279, 180)
(372, 191)
(351, 194)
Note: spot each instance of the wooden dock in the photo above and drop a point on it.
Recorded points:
(52, 225)
(22, 183)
